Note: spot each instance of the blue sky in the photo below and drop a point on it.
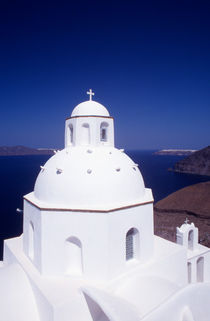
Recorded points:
(148, 62)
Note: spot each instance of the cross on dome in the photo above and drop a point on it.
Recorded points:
(186, 221)
(91, 93)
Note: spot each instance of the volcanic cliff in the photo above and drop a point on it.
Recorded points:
(192, 202)
(197, 163)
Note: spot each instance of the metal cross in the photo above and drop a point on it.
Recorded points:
(90, 93)
(186, 221)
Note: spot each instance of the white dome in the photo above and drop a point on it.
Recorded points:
(89, 178)
(90, 108)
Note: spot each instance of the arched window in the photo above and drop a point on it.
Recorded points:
(200, 268)
(190, 239)
(132, 244)
(85, 134)
(73, 255)
(189, 272)
(104, 132)
(31, 241)
(71, 133)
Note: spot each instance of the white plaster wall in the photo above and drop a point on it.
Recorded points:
(44, 307)
(102, 236)
(89, 228)
(195, 297)
(168, 263)
(206, 270)
(32, 214)
(119, 223)
(9, 257)
(16, 296)
(207, 266)
(94, 128)
(171, 267)
(73, 309)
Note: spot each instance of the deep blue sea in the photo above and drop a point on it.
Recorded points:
(18, 175)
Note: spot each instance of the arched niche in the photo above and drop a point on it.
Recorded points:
(132, 244)
(85, 134)
(95, 310)
(70, 134)
(73, 256)
(190, 239)
(31, 240)
(104, 132)
(200, 269)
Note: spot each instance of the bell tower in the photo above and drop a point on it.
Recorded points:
(89, 124)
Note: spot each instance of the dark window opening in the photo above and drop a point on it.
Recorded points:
(132, 244)
(103, 135)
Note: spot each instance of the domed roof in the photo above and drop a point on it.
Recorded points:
(90, 108)
(89, 178)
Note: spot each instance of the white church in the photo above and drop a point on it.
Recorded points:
(88, 250)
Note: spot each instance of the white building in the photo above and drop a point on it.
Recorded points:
(88, 250)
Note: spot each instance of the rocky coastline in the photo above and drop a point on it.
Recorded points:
(197, 163)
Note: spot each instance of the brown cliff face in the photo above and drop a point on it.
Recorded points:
(197, 163)
(192, 202)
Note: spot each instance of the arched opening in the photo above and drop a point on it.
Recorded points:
(71, 134)
(189, 272)
(190, 239)
(85, 134)
(73, 255)
(200, 269)
(104, 132)
(132, 244)
(95, 310)
(31, 241)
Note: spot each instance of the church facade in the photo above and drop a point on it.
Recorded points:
(88, 250)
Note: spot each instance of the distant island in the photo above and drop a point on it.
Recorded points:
(197, 163)
(178, 152)
(22, 150)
